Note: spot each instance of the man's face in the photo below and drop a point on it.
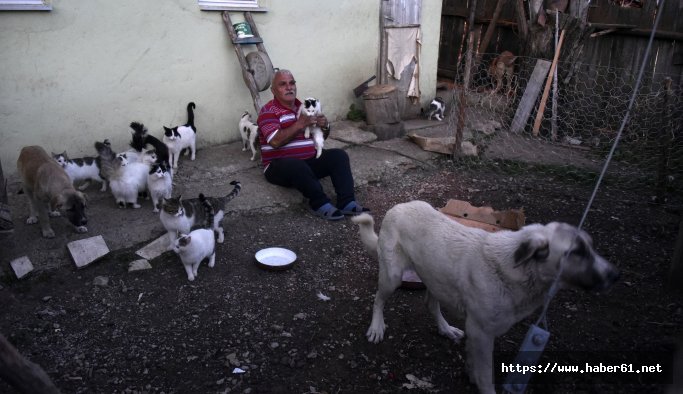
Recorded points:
(284, 88)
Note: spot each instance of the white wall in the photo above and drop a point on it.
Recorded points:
(85, 70)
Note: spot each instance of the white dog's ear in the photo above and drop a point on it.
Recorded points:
(535, 247)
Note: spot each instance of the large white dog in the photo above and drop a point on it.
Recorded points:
(497, 278)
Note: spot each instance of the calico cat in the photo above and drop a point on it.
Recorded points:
(141, 139)
(159, 184)
(81, 169)
(181, 137)
(193, 248)
(311, 107)
(126, 178)
(180, 216)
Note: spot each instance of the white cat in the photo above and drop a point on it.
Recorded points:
(181, 137)
(311, 107)
(193, 248)
(249, 133)
(128, 179)
(159, 184)
(81, 169)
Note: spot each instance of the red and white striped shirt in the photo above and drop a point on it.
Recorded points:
(273, 117)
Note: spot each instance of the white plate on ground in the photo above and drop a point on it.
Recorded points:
(275, 259)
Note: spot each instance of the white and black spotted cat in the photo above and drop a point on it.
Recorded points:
(81, 169)
(141, 139)
(159, 184)
(181, 137)
(180, 216)
(311, 107)
(193, 248)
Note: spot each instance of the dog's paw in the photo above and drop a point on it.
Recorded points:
(48, 233)
(32, 220)
(453, 333)
(81, 229)
(54, 214)
(136, 205)
(375, 335)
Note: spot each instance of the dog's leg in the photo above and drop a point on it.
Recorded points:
(212, 260)
(390, 276)
(479, 347)
(445, 329)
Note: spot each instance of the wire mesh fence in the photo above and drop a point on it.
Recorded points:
(517, 117)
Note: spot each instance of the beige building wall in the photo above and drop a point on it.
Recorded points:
(83, 71)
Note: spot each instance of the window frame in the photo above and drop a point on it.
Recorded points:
(25, 5)
(229, 5)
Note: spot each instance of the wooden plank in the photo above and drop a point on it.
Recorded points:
(533, 88)
(546, 90)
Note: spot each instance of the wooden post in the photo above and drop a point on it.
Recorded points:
(546, 90)
(675, 277)
(462, 102)
(521, 20)
(665, 141)
(483, 46)
(6, 225)
(22, 374)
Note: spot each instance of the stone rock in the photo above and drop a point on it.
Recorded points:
(21, 266)
(139, 265)
(155, 248)
(100, 281)
(85, 251)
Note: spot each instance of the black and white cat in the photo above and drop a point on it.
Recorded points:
(249, 133)
(159, 184)
(193, 248)
(311, 107)
(180, 216)
(126, 178)
(141, 139)
(181, 137)
(436, 109)
(81, 169)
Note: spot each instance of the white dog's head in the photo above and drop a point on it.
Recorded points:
(547, 249)
(311, 107)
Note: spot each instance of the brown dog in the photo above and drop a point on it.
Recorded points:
(48, 186)
(503, 67)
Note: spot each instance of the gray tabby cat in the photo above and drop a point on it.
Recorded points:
(180, 216)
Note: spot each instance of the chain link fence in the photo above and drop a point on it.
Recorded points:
(570, 125)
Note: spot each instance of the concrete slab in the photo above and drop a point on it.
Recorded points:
(139, 265)
(154, 248)
(85, 251)
(21, 266)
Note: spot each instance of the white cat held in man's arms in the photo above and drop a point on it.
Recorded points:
(193, 248)
(311, 107)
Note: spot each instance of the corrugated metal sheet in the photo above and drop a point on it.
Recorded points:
(402, 12)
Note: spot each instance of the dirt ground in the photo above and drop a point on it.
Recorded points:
(153, 331)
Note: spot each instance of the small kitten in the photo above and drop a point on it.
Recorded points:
(311, 107)
(159, 184)
(180, 216)
(436, 109)
(249, 133)
(181, 137)
(193, 248)
(81, 169)
(141, 139)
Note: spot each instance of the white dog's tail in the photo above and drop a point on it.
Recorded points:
(366, 228)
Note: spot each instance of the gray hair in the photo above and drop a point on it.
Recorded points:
(279, 71)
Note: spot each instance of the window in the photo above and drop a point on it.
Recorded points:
(234, 5)
(25, 5)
